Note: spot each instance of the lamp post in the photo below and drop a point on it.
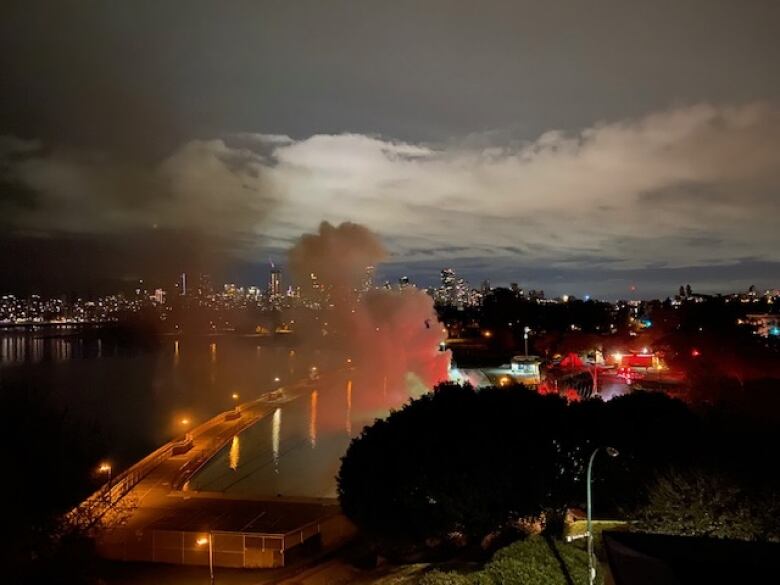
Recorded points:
(185, 423)
(210, 541)
(612, 452)
(526, 331)
(106, 468)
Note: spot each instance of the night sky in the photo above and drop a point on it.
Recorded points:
(578, 147)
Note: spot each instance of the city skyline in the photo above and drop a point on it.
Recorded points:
(661, 169)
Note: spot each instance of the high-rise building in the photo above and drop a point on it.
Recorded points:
(275, 283)
(205, 285)
(447, 290)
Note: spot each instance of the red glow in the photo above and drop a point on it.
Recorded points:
(695, 352)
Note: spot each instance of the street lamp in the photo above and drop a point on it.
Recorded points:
(612, 452)
(210, 541)
(526, 331)
(106, 468)
(185, 422)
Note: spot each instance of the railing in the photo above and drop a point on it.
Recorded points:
(91, 510)
(86, 514)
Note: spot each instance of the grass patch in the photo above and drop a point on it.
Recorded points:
(534, 560)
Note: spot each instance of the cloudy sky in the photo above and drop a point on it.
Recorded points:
(579, 147)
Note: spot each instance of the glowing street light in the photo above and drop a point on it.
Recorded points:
(185, 422)
(235, 396)
(106, 468)
(209, 539)
(526, 331)
(612, 452)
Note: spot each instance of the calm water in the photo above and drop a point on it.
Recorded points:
(137, 395)
(296, 449)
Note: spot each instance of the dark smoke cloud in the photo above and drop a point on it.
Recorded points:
(337, 255)
(390, 336)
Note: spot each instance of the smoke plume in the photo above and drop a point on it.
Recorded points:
(390, 336)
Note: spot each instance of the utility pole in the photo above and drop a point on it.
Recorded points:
(612, 452)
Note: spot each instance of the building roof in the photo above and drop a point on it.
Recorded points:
(244, 516)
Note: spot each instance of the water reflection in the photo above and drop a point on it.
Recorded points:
(62, 350)
(234, 454)
(276, 429)
(348, 426)
(313, 419)
(34, 348)
(138, 388)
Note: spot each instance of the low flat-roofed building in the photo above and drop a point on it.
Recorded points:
(243, 533)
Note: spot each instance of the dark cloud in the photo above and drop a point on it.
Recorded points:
(545, 133)
(99, 264)
(145, 76)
